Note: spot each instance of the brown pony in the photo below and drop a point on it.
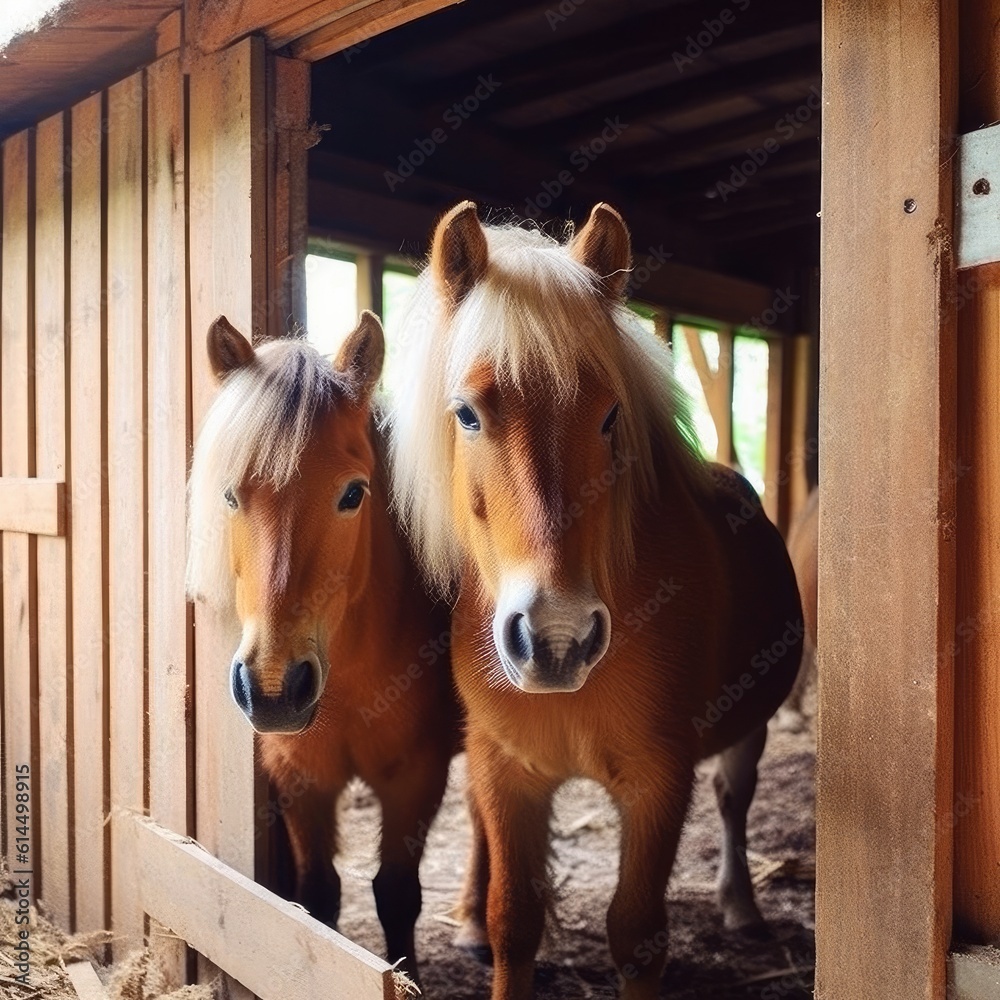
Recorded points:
(343, 664)
(623, 610)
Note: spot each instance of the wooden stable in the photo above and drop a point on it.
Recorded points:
(154, 174)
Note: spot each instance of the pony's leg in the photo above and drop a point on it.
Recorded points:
(637, 918)
(735, 783)
(409, 804)
(472, 935)
(311, 820)
(515, 806)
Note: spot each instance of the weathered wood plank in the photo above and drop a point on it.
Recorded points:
(272, 947)
(89, 501)
(887, 508)
(85, 981)
(227, 213)
(54, 686)
(126, 496)
(17, 447)
(976, 815)
(33, 506)
(171, 661)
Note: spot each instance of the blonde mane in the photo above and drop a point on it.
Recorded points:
(257, 427)
(536, 310)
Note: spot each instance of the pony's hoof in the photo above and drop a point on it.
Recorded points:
(747, 923)
(471, 938)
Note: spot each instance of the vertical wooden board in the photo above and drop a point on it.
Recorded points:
(228, 274)
(976, 819)
(226, 213)
(289, 133)
(170, 640)
(777, 445)
(126, 495)
(887, 514)
(18, 459)
(89, 511)
(54, 691)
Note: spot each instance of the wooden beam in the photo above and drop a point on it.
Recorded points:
(744, 80)
(358, 26)
(274, 948)
(887, 505)
(639, 47)
(33, 506)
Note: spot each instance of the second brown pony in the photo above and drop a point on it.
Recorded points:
(343, 662)
(623, 609)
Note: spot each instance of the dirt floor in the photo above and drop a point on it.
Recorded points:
(705, 960)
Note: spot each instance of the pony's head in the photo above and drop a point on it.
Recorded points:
(525, 435)
(279, 520)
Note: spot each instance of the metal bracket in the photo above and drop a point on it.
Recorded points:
(977, 197)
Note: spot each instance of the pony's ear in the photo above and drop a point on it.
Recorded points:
(361, 355)
(604, 245)
(228, 349)
(458, 252)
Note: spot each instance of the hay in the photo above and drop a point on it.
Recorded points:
(138, 976)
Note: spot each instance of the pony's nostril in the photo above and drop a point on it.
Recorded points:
(594, 639)
(300, 685)
(242, 687)
(519, 641)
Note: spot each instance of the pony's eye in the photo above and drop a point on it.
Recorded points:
(610, 420)
(352, 496)
(467, 417)
(230, 498)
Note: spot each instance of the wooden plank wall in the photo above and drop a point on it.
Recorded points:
(129, 222)
(887, 507)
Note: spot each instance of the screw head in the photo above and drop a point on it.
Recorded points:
(982, 186)
(910, 206)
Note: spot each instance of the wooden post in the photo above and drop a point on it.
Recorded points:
(778, 441)
(89, 492)
(54, 786)
(228, 230)
(126, 497)
(887, 510)
(17, 445)
(369, 282)
(976, 816)
(171, 674)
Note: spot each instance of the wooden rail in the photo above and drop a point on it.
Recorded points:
(274, 948)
